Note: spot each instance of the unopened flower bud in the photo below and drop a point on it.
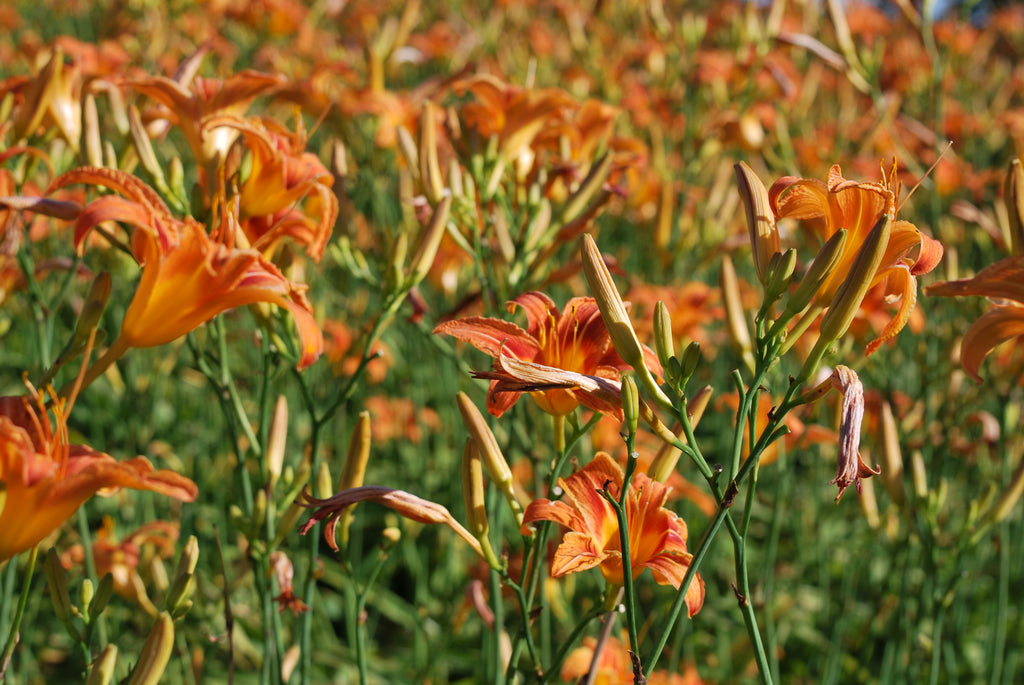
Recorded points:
(473, 495)
(143, 146)
(764, 235)
(57, 582)
(184, 578)
(102, 670)
(613, 310)
(820, 269)
(918, 475)
(86, 594)
(354, 470)
(1013, 196)
(588, 189)
(407, 146)
(276, 440)
(92, 143)
(490, 453)
(324, 484)
(664, 344)
(156, 653)
(430, 168)
(855, 286)
(850, 294)
(735, 317)
(1008, 498)
(780, 270)
(100, 599)
(395, 274)
(430, 241)
(892, 459)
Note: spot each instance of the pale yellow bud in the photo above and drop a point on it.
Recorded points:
(764, 234)
(490, 453)
(1013, 196)
(156, 653)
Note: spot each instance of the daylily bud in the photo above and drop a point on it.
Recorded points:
(1013, 196)
(855, 286)
(690, 359)
(664, 344)
(354, 470)
(780, 269)
(630, 404)
(184, 581)
(473, 495)
(143, 146)
(155, 653)
(493, 460)
(764, 235)
(57, 581)
(588, 189)
(396, 262)
(892, 460)
(86, 594)
(176, 176)
(430, 168)
(286, 524)
(918, 475)
(95, 304)
(869, 505)
(430, 241)
(324, 485)
(276, 440)
(820, 269)
(91, 132)
(100, 599)
(102, 671)
(455, 178)
(613, 310)
(407, 146)
(850, 294)
(1007, 498)
(735, 318)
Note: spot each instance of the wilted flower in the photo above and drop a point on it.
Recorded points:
(574, 340)
(45, 479)
(1003, 284)
(857, 207)
(188, 276)
(851, 467)
(284, 573)
(657, 536)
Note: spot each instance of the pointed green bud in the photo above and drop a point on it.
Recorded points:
(184, 578)
(1013, 196)
(102, 670)
(104, 591)
(820, 269)
(86, 593)
(780, 270)
(156, 653)
(664, 344)
(57, 582)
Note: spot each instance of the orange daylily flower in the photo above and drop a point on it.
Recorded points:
(657, 536)
(614, 667)
(188, 276)
(857, 207)
(192, 105)
(122, 558)
(1003, 284)
(515, 115)
(285, 187)
(45, 479)
(574, 340)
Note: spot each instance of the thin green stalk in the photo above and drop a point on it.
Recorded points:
(567, 645)
(499, 620)
(747, 607)
(90, 568)
(12, 636)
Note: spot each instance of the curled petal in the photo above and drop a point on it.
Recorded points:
(993, 328)
(405, 504)
(902, 284)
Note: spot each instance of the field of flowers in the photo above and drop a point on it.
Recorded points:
(512, 342)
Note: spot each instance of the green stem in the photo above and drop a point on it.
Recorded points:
(19, 614)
